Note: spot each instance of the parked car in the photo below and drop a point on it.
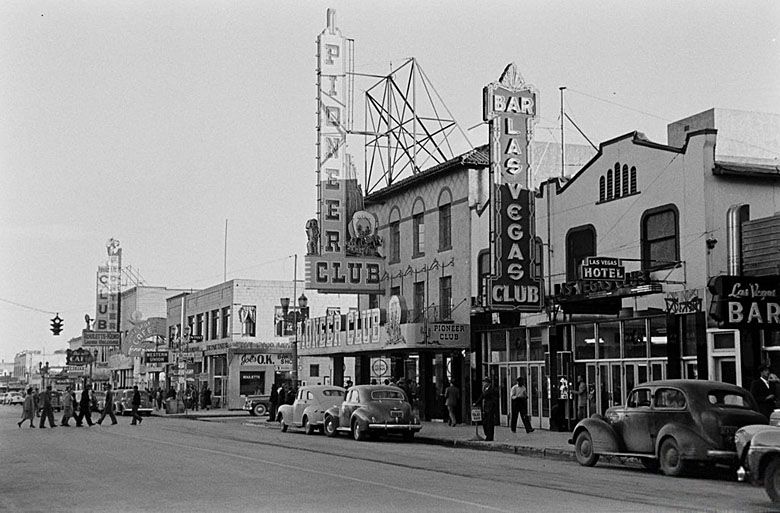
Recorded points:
(99, 400)
(123, 402)
(370, 409)
(13, 398)
(758, 448)
(670, 424)
(308, 410)
(257, 405)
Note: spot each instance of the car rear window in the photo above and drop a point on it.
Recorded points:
(727, 398)
(387, 394)
(333, 393)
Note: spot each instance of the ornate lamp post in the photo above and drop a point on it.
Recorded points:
(285, 302)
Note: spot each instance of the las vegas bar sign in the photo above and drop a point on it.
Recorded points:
(510, 108)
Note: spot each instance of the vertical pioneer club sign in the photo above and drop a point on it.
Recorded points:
(108, 276)
(343, 246)
(510, 108)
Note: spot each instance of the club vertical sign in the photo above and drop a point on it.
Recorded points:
(510, 108)
(343, 247)
(108, 280)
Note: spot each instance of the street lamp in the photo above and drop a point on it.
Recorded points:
(303, 302)
(285, 302)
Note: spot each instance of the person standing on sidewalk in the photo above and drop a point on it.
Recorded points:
(489, 400)
(519, 396)
(136, 403)
(451, 400)
(85, 407)
(28, 409)
(67, 407)
(47, 412)
(108, 407)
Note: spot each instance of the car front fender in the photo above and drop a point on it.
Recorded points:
(602, 434)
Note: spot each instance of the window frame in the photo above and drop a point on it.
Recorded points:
(418, 235)
(645, 245)
(445, 227)
(572, 267)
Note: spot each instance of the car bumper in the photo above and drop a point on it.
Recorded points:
(394, 427)
(713, 454)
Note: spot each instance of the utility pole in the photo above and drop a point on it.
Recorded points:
(563, 151)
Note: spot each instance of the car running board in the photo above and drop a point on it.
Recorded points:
(630, 455)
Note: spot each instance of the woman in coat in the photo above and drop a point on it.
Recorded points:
(28, 409)
(67, 407)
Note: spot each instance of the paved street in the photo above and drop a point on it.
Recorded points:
(177, 464)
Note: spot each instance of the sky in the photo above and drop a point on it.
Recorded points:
(155, 122)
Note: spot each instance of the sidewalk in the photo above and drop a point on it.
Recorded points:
(539, 444)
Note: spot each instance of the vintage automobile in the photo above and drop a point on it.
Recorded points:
(13, 398)
(372, 409)
(758, 448)
(308, 410)
(257, 405)
(670, 424)
(123, 402)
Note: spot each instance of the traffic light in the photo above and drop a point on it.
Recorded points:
(56, 324)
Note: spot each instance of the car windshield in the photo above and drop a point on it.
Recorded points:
(333, 393)
(728, 398)
(387, 394)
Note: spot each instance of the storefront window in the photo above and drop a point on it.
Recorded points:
(609, 340)
(657, 337)
(535, 346)
(634, 339)
(497, 340)
(517, 346)
(252, 383)
(584, 342)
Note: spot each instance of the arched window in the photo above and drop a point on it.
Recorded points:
(660, 238)
(617, 183)
(609, 184)
(633, 180)
(418, 228)
(580, 243)
(394, 236)
(625, 180)
(445, 219)
(602, 189)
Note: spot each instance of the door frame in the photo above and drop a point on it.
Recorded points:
(717, 354)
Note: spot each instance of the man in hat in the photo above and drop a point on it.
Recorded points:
(489, 401)
(763, 391)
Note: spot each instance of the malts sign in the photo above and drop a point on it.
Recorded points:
(510, 107)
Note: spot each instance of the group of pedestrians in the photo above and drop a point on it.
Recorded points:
(489, 398)
(80, 410)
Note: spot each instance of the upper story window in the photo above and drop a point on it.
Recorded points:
(445, 220)
(445, 298)
(225, 322)
(418, 228)
(214, 324)
(617, 183)
(660, 238)
(199, 330)
(394, 226)
(483, 272)
(247, 316)
(580, 243)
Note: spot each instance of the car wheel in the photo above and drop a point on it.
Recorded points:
(357, 433)
(650, 464)
(583, 449)
(330, 426)
(670, 458)
(308, 428)
(259, 410)
(772, 480)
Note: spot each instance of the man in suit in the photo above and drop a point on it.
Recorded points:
(519, 396)
(108, 407)
(85, 407)
(136, 403)
(763, 392)
(489, 400)
(47, 412)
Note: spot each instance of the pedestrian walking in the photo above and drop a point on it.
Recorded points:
(762, 392)
(67, 407)
(273, 402)
(85, 407)
(582, 398)
(519, 396)
(28, 409)
(489, 400)
(47, 412)
(158, 396)
(451, 400)
(37, 402)
(136, 403)
(206, 396)
(108, 407)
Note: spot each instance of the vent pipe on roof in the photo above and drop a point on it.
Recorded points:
(736, 215)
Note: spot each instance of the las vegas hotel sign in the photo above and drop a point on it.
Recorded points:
(343, 245)
(510, 108)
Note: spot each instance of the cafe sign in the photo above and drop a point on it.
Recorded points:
(745, 302)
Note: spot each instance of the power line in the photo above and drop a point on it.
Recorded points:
(34, 309)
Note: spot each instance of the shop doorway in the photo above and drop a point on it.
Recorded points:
(724, 356)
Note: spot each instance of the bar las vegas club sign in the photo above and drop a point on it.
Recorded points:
(510, 108)
(343, 245)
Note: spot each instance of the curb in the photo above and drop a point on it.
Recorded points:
(521, 450)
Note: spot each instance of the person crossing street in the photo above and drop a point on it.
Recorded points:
(136, 403)
(108, 407)
(47, 411)
(85, 408)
